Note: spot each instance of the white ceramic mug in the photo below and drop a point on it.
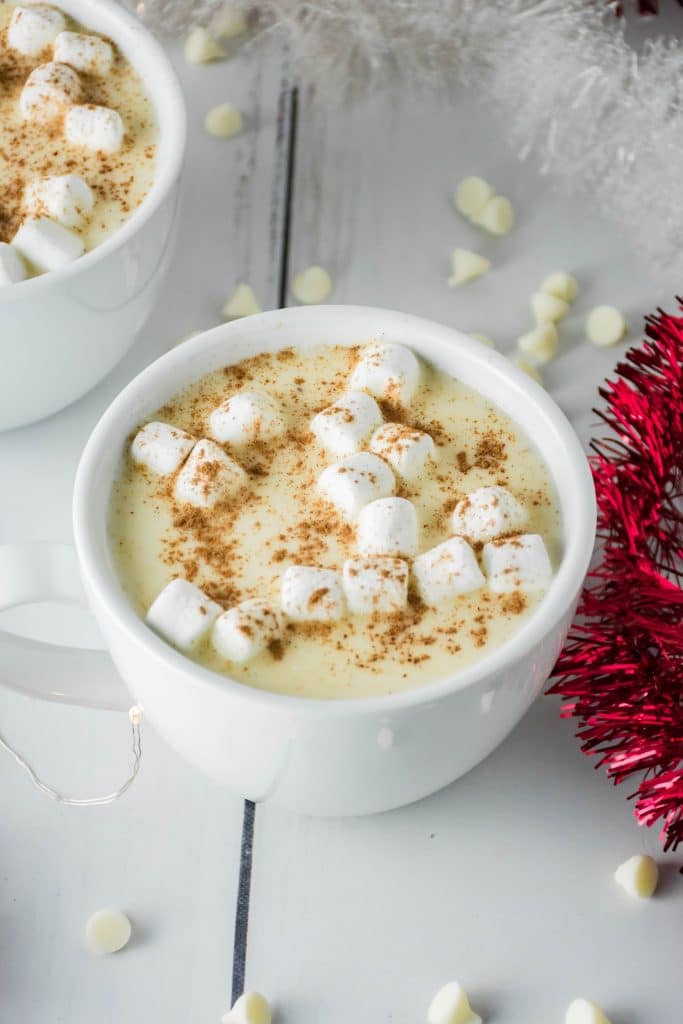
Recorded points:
(316, 756)
(62, 332)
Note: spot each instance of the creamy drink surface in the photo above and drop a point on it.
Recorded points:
(31, 149)
(241, 549)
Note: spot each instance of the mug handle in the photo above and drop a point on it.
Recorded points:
(70, 675)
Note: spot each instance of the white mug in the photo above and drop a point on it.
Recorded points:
(315, 756)
(63, 331)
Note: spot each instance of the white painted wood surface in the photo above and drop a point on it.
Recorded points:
(503, 880)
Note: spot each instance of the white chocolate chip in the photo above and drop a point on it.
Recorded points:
(560, 284)
(107, 931)
(228, 22)
(526, 366)
(541, 342)
(472, 195)
(582, 1011)
(201, 47)
(483, 338)
(223, 121)
(242, 302)
(638, 876)
(605, 325)
(497, 217)
(467, 266)
(548, 309)
(250, 1008)
(312, 285)
(450, 1005)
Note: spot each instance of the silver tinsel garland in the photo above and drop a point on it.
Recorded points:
(596, 114)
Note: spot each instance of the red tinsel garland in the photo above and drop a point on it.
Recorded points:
(621, 672)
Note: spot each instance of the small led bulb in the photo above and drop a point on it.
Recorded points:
(135, 714)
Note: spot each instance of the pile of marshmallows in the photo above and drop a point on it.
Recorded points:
(57, 205)
(361, 486)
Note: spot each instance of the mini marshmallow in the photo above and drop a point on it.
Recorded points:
(355, 481)
(486, 513)
(312, 595)
(223, 121)
(161, 447)
(526, 366)
(98, 128)
(242, 302)
(467, 266)
(582, 1011)
(541, 342)
(250, 1008)
(201, 47)
(548, 309)
(12, 267)
(88, 54)
(450, 1005)
(209, 476)
(48, 91)
(182, 614)
(246, 417)
(388, 526)
(638, 876)
(406, 450)
(375, 585)
(312, 285)
(388, 371)
(47, 245)
(343, 428)
(32, 29)
(65, 198)
(518, 563)
(561, 284)
(605, 325)
(497, 217)
(107, 931)
(243, 632)
(447, 570)
(472, 195)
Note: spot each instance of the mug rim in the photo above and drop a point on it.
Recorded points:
(102, 580)
(164, 90)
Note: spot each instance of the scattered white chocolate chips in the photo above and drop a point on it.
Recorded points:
(450, 1005)
(583, 1011)
(223, 121)
(242, 302)
(228, 22)
(467, 266)
(548, 309)
(560, 284)
(472, 195)
(107, 931)
(201, 47)
(638, 876)
(541, 342)
(497, 216)
(250, 1008)
(312, 285)
(605, 325)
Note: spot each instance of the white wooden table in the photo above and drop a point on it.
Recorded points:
(504, 880)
